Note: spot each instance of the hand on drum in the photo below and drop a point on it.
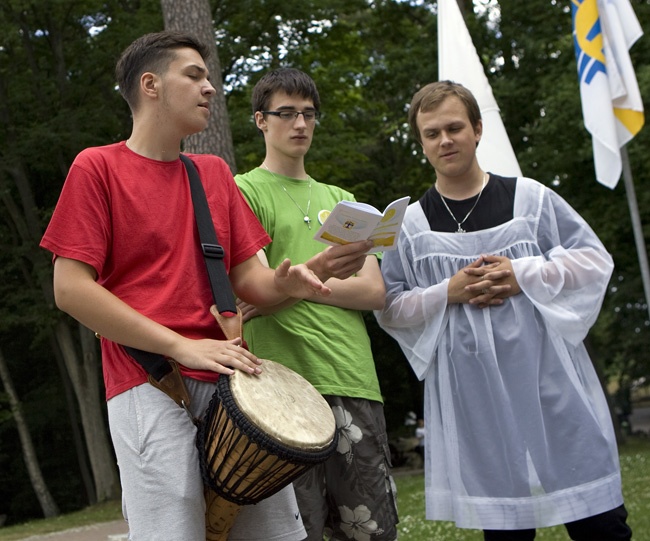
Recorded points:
(221, 356)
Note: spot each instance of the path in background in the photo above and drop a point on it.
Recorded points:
(640, 419)
(105, 531)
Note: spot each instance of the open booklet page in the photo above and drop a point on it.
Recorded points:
(351, 221)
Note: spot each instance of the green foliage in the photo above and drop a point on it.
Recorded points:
(540, 99)
(57, 96)
(365, 82)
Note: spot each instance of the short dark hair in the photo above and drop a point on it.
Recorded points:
(151, 52)
(430, 96)
(289, 80)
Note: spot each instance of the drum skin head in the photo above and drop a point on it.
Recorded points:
(285, 406)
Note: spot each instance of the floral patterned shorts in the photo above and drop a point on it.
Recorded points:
(352, 495)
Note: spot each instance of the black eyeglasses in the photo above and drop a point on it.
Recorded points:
(309, 116)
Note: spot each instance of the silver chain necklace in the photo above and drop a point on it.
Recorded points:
(460, 229)
(306, 217)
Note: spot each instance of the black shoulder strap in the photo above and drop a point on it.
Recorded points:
(157, 365)
(212, 251)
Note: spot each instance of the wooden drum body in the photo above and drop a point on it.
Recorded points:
(259, 433)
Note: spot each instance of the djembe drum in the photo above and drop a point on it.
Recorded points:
(258, 434)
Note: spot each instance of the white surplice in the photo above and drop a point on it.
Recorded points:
(518, 431)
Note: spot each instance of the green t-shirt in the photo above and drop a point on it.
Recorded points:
(327, 345)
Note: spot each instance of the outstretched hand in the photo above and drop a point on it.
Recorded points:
(299, 281)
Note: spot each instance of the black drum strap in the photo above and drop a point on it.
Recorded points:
(213, 252)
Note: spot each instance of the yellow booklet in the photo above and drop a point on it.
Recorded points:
(351, 221)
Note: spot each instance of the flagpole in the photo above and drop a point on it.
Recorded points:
(636, 225)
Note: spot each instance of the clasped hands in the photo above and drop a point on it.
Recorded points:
(485, 282)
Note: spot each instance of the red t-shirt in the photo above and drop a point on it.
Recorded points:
(132, 219)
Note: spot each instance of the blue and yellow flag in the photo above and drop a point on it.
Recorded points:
(603, 32)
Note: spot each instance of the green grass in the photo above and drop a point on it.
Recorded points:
(635, 468)
(104, 512)
(635, 471)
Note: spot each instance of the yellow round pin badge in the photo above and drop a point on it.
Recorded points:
(322, 216)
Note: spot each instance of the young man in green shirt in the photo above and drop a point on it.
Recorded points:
(323, 339)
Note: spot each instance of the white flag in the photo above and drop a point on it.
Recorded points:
(459, 62)
(603, 32)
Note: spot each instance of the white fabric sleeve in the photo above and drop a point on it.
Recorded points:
(415, 317)
(568, 282)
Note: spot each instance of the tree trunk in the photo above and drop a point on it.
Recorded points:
(77, 435)
(83, 372)
(194, 16)
(85, 381)
(48, 505)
